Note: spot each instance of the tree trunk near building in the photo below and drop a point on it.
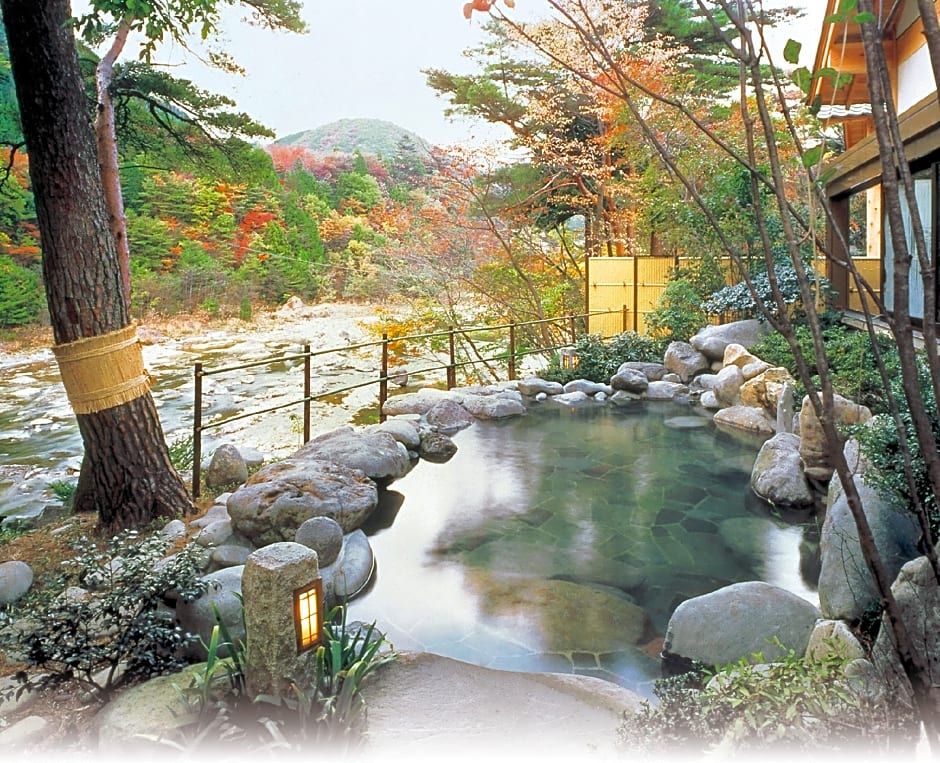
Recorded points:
(126, 474)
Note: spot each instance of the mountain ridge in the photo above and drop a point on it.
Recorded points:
(377, 137)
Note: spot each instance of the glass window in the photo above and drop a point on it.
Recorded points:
(923, 191)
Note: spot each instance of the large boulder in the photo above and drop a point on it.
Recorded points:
(497, 406)
(765, 389)
(448, 416)
(665, 390)
(752, 620)
(403, 429)
(846, 588)
(652, 371)
(16, 577)
(155, 708)
(918, 598)
(629, 380)
(533, 385)
(747, 419)
(419, 402)
(586, 386)
(711, 341)
(222, 596)
(727, 386)
(778, 476)
(682, 359)
(227, 467)
(750, 364)
(277, 499)
(813, 446)
(572, 399)
(377, 454)
(436, 447)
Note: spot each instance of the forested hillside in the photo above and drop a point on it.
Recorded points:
(220, 225)
(347, 136)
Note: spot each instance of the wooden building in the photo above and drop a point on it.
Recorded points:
(855, 190)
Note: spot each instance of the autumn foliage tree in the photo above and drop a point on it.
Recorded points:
(113, 24)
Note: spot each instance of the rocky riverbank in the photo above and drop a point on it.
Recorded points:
(39, 440)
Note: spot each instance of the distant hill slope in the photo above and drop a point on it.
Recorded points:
(369, 136)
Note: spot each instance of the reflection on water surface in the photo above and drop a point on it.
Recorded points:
(564, 539)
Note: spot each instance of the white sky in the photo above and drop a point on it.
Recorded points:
(363, 58)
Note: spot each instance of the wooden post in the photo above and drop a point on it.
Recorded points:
(452, 368)
(587, 290)
(383, 377)
(837, 269)
(307, 368)
(512, 351)
(636, 293)
(197, 428)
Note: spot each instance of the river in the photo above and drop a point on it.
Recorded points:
(39, 439)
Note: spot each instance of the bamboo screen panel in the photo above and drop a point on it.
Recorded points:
(616, 283)
(870, 269)
(631, 286)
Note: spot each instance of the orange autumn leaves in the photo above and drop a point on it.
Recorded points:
(483, 6)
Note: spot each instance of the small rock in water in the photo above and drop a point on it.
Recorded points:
(686, 422)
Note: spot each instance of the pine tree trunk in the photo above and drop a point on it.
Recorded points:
(126, 473)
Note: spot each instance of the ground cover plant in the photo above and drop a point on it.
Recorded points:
(108, 623)
(329, 713)
(794, 706)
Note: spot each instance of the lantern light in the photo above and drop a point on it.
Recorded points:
(568, 356)
(308, 622)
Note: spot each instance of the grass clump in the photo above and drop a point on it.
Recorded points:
(328, 711)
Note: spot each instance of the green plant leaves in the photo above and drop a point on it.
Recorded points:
(791, 51)
(846, 13)
(813, 156)
(802, 78)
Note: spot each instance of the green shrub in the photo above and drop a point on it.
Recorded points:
(21, 299)
(211, 306)
(881, 446)
(599, 359)
(791, 704)
(63, 490)
(678, 314)
(851, 362)
(119, 629)
(737, 299)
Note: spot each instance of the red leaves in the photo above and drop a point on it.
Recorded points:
(479, 5)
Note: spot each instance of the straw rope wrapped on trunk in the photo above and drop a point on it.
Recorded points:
(104, 371)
